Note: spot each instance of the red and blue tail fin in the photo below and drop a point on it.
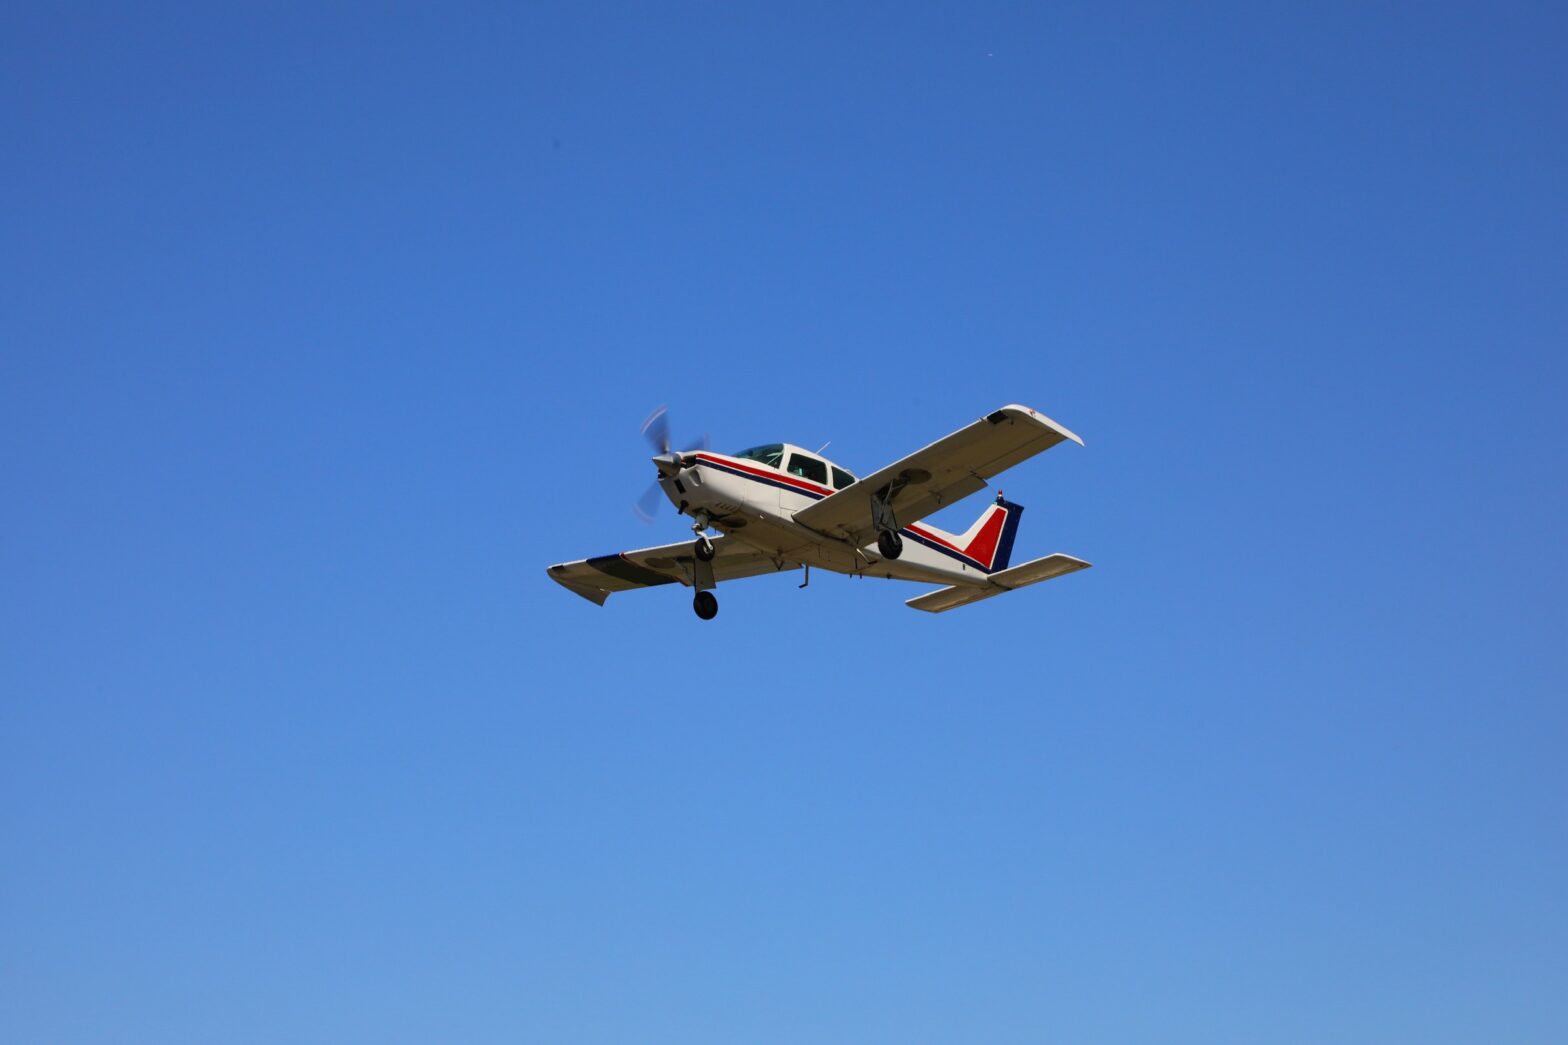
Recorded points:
(988, 544)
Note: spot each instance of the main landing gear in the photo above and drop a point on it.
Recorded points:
(889, 543)
(706, 605)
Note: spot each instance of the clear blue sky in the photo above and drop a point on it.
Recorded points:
(323, 333)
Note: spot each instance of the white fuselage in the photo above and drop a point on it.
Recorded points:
(755, 503)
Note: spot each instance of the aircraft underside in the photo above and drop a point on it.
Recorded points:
(789, 545)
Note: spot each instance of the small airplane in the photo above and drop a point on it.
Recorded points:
(778, 507)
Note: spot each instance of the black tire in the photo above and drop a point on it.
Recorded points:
(891, 545)
(703, 550)
(706, 605)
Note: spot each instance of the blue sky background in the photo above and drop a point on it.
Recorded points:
(322, 332)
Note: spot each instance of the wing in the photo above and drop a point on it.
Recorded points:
(598, 578)
(937, 476)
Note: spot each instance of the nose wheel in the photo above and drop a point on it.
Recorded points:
(702, 550)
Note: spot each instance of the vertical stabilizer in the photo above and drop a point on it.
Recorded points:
(987, 544)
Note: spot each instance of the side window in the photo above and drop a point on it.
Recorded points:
(808, 468)
(841, 478)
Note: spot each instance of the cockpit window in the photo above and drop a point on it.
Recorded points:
(770, 455)
(841, 478)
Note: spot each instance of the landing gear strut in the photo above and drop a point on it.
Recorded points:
(703, 549)
(890, 544)
(706, 605)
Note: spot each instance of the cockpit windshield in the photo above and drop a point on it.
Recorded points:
(770, 455)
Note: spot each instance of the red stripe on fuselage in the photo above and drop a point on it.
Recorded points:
(772, 473)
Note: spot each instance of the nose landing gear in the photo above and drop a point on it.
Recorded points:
(706, 604)
(703, 548)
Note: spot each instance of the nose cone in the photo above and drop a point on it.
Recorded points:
(668, 464)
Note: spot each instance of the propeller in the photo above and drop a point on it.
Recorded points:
(656, 429)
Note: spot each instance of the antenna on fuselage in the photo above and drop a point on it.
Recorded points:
(823, 447)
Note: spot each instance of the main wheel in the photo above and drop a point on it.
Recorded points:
(706, 605)
(703, 549)
(890, 544)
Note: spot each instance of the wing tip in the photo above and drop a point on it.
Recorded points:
(597, 596)
(1040, 419)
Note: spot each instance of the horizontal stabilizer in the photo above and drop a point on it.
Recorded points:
(1018, 577)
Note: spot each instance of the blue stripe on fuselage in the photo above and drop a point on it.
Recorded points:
(768, 482)
(949, 552)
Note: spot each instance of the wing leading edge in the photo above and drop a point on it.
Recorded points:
(927, 480)
(598, 578)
